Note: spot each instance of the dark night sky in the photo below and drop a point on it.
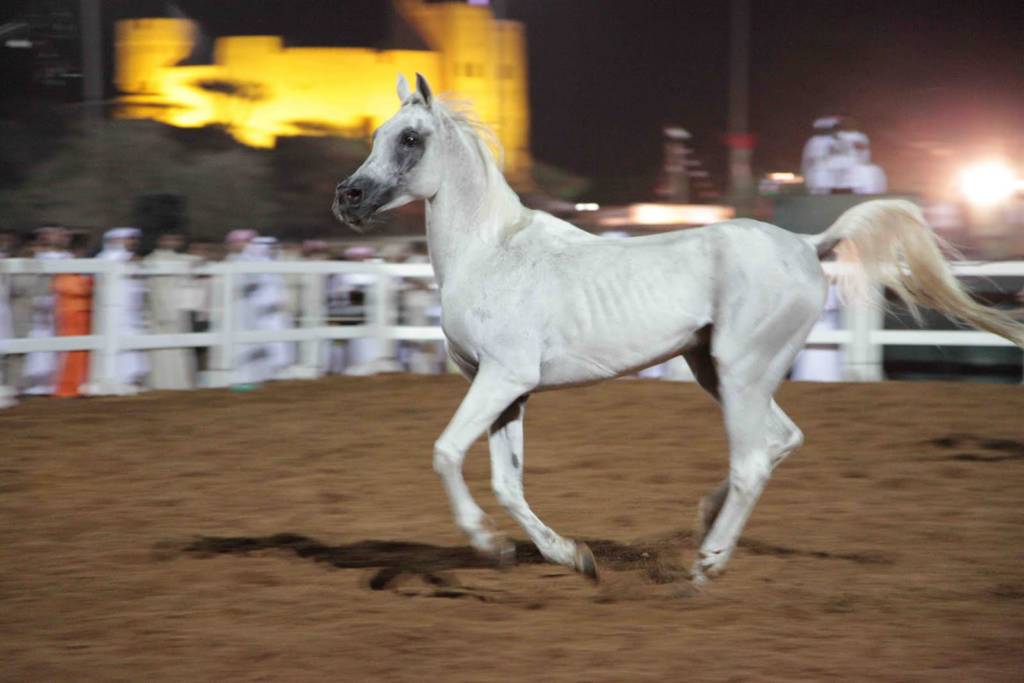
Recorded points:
(914, 72)
(921, 76)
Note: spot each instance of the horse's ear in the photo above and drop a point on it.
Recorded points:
(403, 88)
(424, 88)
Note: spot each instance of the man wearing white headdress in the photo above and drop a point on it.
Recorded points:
(248, 358)
(817, 150)
(171, 300)
(272, 309)
(40, 369)
(131, 366)
(865, 177)
(263, 306)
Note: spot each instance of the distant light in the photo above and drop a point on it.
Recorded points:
(786, 177)
(988, 183)
(670, 214)
(588, 206)
(21, 43)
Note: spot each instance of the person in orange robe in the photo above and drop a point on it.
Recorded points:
(73, 317)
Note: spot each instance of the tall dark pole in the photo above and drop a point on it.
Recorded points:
(92, 59)
(92, 93)
(741, 142)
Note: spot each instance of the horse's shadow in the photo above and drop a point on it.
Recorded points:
(658, 560)
(395, 559)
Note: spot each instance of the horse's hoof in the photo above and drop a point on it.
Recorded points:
(504, 553)
(698, 581)
(585, 562)
(492, 544)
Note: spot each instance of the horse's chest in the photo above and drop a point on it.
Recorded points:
(468, 326)
(483, 317)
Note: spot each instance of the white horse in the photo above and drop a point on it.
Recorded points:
(531, 303)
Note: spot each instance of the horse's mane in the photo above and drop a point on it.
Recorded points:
(500, 202)
(460, 113)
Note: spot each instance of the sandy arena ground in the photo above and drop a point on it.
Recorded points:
(298, 533)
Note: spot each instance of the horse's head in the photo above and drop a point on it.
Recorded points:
(403, 165)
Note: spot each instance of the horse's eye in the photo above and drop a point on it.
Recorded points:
(410, 139)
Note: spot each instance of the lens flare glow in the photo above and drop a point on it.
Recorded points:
(988, 183)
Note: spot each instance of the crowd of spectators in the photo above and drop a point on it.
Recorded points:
(42, 305)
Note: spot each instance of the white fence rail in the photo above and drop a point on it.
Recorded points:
(862, 339)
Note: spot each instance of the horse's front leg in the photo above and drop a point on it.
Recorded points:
(506, 442)
(492, 391)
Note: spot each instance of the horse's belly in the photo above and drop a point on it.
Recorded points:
(621, 350)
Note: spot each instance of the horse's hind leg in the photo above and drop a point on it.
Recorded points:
(703, 366)
(760, 434)
(506, 443)
(784, 436)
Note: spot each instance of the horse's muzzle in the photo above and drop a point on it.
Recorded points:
(356, 200)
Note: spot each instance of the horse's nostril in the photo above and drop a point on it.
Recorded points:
(353, 195)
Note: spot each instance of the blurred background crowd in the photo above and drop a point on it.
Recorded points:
(42, 305)
(185, 119)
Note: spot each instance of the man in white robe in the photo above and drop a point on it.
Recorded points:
(865, 177)
(822, 363)
(119, 244)
(7, 392)
(40, 368)
(171, 300)
(817, 151)
(366, 355)
(263, 306)
(421, 306)
(272, 310)
(248, 358)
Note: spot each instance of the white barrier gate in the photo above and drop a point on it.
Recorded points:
(862, 339)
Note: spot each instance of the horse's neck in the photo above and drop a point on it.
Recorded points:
(467, 217)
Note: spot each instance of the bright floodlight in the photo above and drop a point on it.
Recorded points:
(988, 183)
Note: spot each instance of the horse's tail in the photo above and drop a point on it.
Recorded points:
(887, 241)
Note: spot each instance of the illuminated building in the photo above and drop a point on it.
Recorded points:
(259, 90)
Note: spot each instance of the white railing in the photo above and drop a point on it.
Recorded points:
(864, 335)
(862, 339)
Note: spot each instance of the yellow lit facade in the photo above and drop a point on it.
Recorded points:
(260, 90)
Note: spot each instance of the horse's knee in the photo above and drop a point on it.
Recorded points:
(447, 458)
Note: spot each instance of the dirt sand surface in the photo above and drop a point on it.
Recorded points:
(298, 533)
